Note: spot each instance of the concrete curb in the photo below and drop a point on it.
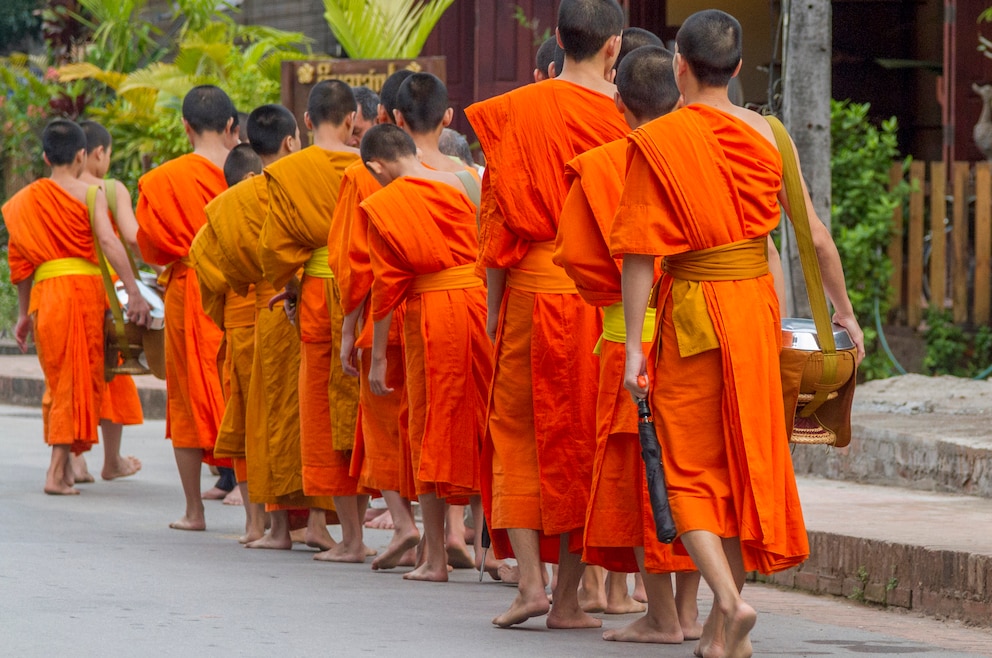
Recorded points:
(28, 392)
(942, 583)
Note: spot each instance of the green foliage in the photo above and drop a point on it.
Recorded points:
(8, 297)
(953, 351)
(861, 215)
(120, 40)
(383, 29)
(532, 24)
(17, 20)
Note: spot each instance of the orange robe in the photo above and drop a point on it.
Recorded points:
(303, 191)
(272, 438)
(542, 408)
(423, 243)
(705, 179)
(120, 402)
(619, 514)
(380, 460)
(171, 202)
(47, 224)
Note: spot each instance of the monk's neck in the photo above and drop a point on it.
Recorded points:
(430, 154)
(65, 176)
(716, 97)
(590, 73)
(212, 146)
(91, 178)
(332, 138)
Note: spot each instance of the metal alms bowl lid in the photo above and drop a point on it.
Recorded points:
(157, 320)
(800, 334)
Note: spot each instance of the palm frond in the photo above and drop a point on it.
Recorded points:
(383, 29)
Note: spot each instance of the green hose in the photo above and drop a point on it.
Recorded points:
(885, 343)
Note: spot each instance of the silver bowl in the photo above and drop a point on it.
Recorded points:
(800, 334)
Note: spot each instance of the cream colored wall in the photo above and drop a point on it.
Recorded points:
(755, 18)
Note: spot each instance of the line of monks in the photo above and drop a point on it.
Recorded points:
(348, 322)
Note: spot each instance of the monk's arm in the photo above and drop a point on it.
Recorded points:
(349, 330)
(638, 277)
(24, 325)
(778, 276)
(138, 309)
(496, 288)
(377, 370)
(127, 223)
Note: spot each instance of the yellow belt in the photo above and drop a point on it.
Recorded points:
(65, 267)
(737, 261)
(318, 264)
(615, 330)
(537, 273)
(453, 278)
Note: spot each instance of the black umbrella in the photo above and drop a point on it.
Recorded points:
(487, 543)
(657, 490)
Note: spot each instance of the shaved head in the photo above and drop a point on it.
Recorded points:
(96, 136)
(634, 38)
(330, 102)
(710, 42)
(207, 108)
(62, 140)
(268, 127)
(585, 26)
(240, 163)
(423, 101)
(387, 95)
(387, 143)
(646, 82)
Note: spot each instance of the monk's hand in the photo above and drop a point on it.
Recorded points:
(288, 300)
(850, 323)
(635, 374)
(377, 376)
(138, 310)
(349, 355)
(492, 324)
(22, 330)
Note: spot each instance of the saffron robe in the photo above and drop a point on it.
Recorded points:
(380, 460)
(706, 179)
(171, 202)
(618, 517)
(303, 191)
(423, 243)
(541, 431)
(46, 224)
(120, 402)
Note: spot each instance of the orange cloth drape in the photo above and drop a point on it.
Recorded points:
(542, 407)
(47, 223)
(706, 179)
(420, 227)
(120, 402)
(171, 202)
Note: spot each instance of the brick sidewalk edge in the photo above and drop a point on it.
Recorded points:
(27, 392)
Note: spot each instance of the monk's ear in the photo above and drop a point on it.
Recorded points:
(375, 167)
(449, 114)
(621, 108)
(738, 69)
(307, 122)
(558, 39)
(381, 115)
(48, 162)
(398, 118)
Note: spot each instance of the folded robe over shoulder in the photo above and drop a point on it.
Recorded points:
(420, 231)
(541, 418)
(45, 224)
(171, 202)
(698, 179)
(616, 521)
(303, 191)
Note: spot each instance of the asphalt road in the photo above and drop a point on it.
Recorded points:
(101, 574)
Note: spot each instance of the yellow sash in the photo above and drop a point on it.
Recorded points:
(318, 264)
(537, 273)
(65, 267)
(453, 278)
(737, 261)
(615, 330)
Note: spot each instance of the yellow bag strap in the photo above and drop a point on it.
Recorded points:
(474, 191)
(811, 266)
(110, 190)
(108, 283)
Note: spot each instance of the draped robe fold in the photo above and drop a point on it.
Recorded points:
(419, 231)
(45, 224)
(705, 179)
(171, 202)
(541, 425)
(303, 191)
(618, 517)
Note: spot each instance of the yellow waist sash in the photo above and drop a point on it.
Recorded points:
(737, 261)
(318, 265)
(537, 273)
(65, 267)
(453, 278)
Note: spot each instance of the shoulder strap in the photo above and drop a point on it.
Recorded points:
(807, 255)
(108, 283)
(110, 189)
(474, 191)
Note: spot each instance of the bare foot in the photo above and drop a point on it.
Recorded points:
(268, 541)
(215, 493)
(382, 521)
(234, 497)
(321, 540)
(564, 619)
(592, 601)
(398, 547)
(372, 513)
(737, 629)
(492, 565)
(342, 553)
(691, 631)
(80, 471)
(251, 536)
(522, 609)
(710, 643)
(643, 630)
(124, 467)
(625, 606)
(369, 551)
(425, 573)
(458, 556)
(60, 489)
(299, 536)
(509, 574)
(186, 523)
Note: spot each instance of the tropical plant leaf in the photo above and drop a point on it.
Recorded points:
(87, 71)
(383, 29)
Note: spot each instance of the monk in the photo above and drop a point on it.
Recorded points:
(423, 240)
(367, 114)
(549, 59)
(235, 316)
(303, 191)
(171, 202)
(542, 428)
(121, 405)
(272, 437)
(703, 191)
(52, 252)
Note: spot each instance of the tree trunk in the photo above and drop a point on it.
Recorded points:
(806, 113)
